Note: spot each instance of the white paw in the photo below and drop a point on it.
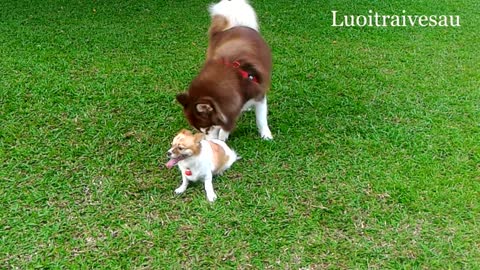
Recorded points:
(211, 197)
(266, 134)
(180, 190)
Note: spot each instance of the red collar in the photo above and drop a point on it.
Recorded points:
(243, 73)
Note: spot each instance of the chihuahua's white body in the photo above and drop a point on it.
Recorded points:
(199, 160)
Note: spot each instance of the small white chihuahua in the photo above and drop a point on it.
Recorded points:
(199, 159)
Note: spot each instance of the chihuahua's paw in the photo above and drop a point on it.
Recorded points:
(180, 190)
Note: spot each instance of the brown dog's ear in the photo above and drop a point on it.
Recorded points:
(183, 99)
(220, 117)
(203, 108)
(208, 106)
(198, 137)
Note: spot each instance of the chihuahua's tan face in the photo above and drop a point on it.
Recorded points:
(184, 145)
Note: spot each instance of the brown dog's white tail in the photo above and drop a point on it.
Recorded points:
(230, 13)
(219, 24)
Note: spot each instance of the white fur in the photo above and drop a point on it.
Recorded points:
(261, 110)
(223, 135)
(237, 12)
(248, 105)
(211, 132)
(202, 167)
(260, 116)
(215, 132)
(261, 119)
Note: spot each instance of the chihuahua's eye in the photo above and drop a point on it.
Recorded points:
(180, 148)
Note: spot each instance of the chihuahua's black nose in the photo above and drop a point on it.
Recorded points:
(169, 154)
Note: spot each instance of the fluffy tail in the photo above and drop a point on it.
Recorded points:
(230, 13)
(232, 157)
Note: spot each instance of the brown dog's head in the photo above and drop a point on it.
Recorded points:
(201, 113)
(214, 97)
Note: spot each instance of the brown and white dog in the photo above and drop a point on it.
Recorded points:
(199, 159)
(235, 76)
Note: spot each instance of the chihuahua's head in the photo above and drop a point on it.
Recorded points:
(184, 145)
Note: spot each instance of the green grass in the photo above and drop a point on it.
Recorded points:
(375, 162)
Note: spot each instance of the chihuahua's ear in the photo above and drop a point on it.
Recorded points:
(186, 132)
(183, 99)
(198, 137)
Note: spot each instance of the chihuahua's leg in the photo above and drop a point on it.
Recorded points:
(261, 117)
(183, 186)
(211, 196)
(223, 135)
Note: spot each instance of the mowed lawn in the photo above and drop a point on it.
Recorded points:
(374, 162)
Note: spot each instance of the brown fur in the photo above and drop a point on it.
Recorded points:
(221, 86)
(219, 24)
(219, 156)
